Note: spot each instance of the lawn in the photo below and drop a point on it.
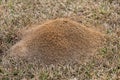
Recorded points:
(103, 15)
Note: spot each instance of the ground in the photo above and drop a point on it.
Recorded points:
(104, 15)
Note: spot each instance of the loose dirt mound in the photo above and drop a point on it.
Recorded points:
(58, 41)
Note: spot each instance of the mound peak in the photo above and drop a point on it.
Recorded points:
(57, 41)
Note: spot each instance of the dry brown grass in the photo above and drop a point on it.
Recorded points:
(17, 14)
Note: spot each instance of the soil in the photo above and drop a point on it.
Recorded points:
(58, 41)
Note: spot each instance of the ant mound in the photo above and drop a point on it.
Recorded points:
(58, 41)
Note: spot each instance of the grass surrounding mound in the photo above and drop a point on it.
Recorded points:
(16, 14)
